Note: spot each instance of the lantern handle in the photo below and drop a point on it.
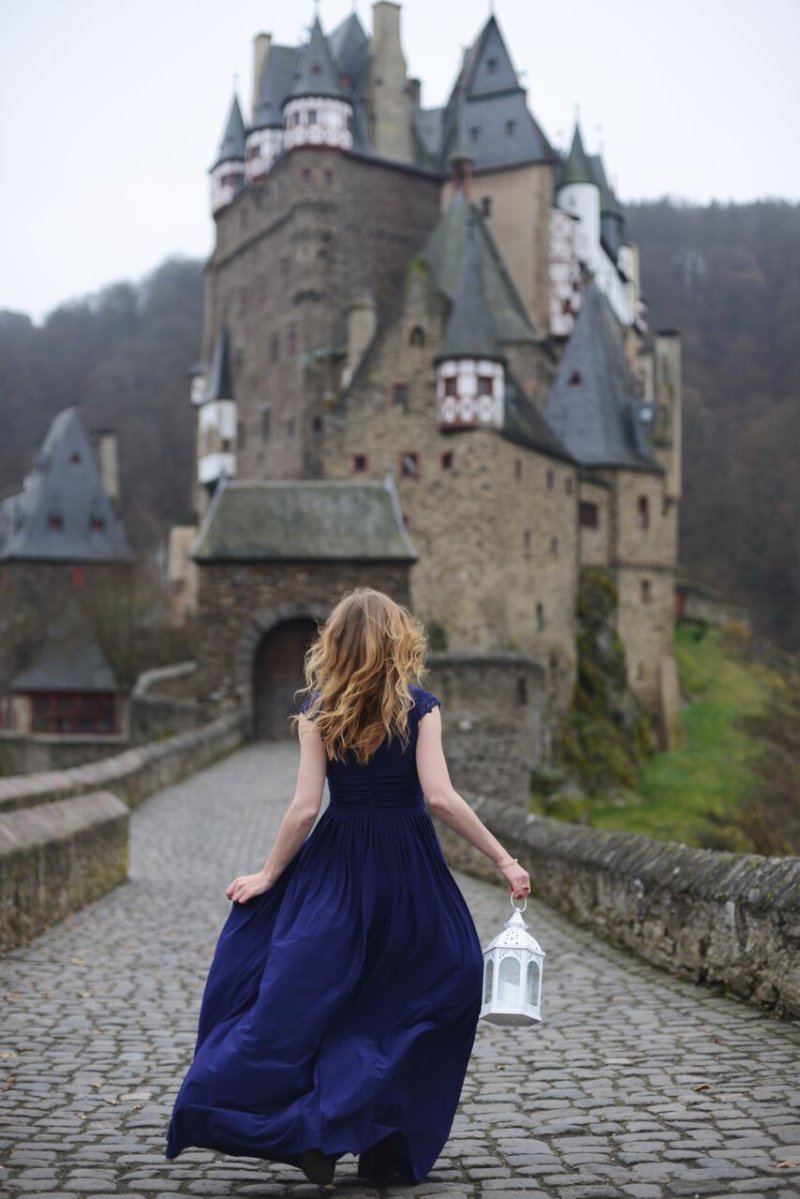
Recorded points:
(524, 903)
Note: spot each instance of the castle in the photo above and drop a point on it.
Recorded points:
(437, 305)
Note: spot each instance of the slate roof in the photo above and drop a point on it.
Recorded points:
(302, 521)
(349, 45)
(316, 73)
(577, 167)
(276, 79)
(70, 659)
(444, 254)
(231, 148)
(65, 482)
(470, 331)
(220, 378)
(488, 102)
(593, 407)
(523, 423)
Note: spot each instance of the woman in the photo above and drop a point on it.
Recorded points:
(342, 1002)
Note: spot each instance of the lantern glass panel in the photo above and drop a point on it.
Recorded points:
(508, 980)
(487, 981)
(532, 996)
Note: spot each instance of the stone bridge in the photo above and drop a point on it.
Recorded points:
(637, 1084)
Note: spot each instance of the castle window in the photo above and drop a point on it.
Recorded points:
(446, 459)
(306, 175)
(553, 547)
(522, 691)
(510, 127)
(328, 175)
(646, 591)
(349, 123)
(417, 337)
(359, 463)
(290, 425)
(486, 205)
(227, 445)
(400, 395)
(588, 515)
(274, 348)
(539, 616)
(241, 434)
(517, 468)
(409, 464)
(551, 478)
(568, 485)
(642, 512)
(312, 116)
(316, 424)
(484, 385)
(575, 378)
(265, 414)
(295, 118)
(451, 386)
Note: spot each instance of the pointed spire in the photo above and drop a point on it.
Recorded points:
(220, 378)
(232, 145)
(470, 329)
(316, 73)
(576, 167)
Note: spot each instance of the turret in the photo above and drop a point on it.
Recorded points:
(217, 420)
(317, 111)
(578, 192)
(276, 66)
(227, 173)
(470, 372)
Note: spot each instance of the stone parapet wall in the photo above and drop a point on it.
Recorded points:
(132, 775)
(717, 917)
(56, 857)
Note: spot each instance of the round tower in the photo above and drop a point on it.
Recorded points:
(578, 192)
(276, 66)
(317, 111)
(227, 173)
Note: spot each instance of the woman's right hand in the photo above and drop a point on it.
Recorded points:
(519, 883)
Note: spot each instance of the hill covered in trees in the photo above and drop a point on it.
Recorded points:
(726, 276)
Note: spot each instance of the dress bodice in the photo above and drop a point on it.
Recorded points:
(389, 780)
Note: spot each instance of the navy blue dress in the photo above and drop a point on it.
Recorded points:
(341, 1005)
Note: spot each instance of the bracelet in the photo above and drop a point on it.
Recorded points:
(508, 863)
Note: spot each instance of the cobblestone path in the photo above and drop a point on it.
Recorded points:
(636, 1084)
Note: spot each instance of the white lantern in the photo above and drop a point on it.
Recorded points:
(512, 974)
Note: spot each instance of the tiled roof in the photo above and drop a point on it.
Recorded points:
(444, 254)
(231, 148)
(593, 407)
(63, 513)
(70, 658)
(303, 520)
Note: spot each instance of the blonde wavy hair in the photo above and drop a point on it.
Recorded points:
(360, 666)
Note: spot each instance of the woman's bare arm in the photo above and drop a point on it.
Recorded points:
(298, 820)
(456, 813)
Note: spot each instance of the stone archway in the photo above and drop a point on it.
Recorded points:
(269, 667)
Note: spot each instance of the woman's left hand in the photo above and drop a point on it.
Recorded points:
(246, 886)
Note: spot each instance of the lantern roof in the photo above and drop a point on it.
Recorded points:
(515, 935)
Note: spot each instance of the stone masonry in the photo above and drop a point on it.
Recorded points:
(636, 1085)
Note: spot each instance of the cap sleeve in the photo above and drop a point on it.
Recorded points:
(425, 702)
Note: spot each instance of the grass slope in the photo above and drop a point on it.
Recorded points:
(681, 791)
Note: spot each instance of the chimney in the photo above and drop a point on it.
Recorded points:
(390, 101)
(104, 444)
(261, 45)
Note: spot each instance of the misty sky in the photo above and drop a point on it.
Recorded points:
(112, 110)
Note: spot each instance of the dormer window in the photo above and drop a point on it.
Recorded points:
(510, 127)
(491, 66)
(96, 522)
(75, 456)
(575, 378)
(55, 521)
(475, 132)
(316, 69)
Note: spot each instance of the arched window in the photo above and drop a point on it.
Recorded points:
(417, 337)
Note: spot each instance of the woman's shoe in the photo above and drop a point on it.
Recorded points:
(377, 1163)
(317, 1166)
